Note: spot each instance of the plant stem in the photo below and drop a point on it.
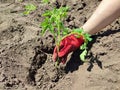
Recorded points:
(58, 44)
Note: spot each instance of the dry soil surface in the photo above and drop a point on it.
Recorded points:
(25, 55)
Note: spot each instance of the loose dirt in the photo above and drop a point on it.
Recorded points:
(26, 56)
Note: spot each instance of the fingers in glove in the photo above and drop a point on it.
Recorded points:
(55, 54)
(64, 59)
(64, 51)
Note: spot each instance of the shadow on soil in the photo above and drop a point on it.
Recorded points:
(74, 62)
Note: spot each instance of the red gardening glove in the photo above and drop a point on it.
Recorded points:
(67, 45)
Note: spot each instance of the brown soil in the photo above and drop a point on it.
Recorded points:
(25, 56)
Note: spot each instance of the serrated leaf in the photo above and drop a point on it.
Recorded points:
(26, 12)
(30, 7)
(83, 54)
(66, 30)
(87, 36)
(84, 46)
(47, 13)
(44, 24)
(44, 30)
(78, 30)
(64, 33)
(51, 29)
(52, 19)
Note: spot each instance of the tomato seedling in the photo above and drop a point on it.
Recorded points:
(29, 8)
(53, 22)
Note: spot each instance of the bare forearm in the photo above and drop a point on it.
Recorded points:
(106, 13)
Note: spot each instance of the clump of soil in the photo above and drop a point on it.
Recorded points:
(26, 56)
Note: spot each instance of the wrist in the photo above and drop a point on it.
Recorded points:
(87, 30)
(81, 32)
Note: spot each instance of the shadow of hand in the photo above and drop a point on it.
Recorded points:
(74, 62)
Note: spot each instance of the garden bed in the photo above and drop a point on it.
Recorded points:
(26, 56)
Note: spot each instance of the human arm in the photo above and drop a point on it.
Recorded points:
(105, 14)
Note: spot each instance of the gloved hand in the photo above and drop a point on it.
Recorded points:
(67, 45)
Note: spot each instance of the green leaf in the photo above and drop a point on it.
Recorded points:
(84, 46)
(45, 1)
(47, 13)
(87, 36)
(78, 30)
(52, 19)
(20, 0)
(44, 24)
(65, 31)
(83, 54)
(30, 7)
(51, 29)
(44, 30)
(26, 12)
